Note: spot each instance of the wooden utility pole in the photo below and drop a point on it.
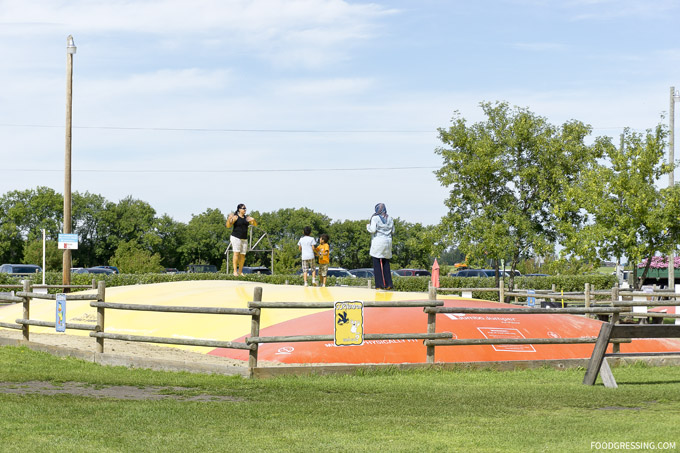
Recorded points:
(70, 50)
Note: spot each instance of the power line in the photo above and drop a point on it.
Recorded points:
(294, 131)
(250, 170)
(184, 129)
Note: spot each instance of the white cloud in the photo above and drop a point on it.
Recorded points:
(310, 32)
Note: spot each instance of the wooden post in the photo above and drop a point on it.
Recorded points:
(27, 308)
(587, 293)
(431, 324)
(94, 284)
(501, 292)
(598, 354)
(554, 288)
(255, 330)
(368, 283)
(616, 347)
(101, 297)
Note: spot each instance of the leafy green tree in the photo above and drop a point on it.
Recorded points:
(284, 229)
(125, 221)
(412, 245)
(630, 216)
(88, 210)
(286, 257)
(168, 240)
(131, 258)
(53, 255)
(23, 216)
(506, 177)
(350, 244)
(288, 223)
(206, 238)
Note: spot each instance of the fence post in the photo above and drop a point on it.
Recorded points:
(554, 288)
(501, 292)
(431, 323)
(368, 282)
(255, 329)
(587, 294)
(101, 297)
(27, 308)
(616, 347)
(94, 284)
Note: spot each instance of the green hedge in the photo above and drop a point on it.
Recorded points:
(412, 284)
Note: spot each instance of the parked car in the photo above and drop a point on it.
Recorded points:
(338, 272)
(365, 272)
(170, 270)
(92, 270)
(475, 273)
(332, 272)
(20, 269)
(201, 268)
(536, 275)
(413, 272)
(113, 268)
(257, 270)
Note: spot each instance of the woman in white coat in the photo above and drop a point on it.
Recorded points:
(381, 226)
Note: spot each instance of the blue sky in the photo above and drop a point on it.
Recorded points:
(326, 104)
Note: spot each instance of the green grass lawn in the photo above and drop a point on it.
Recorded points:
(410, 411)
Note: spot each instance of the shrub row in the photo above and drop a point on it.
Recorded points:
(412, 284)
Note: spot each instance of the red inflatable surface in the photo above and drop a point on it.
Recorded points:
(462, 326)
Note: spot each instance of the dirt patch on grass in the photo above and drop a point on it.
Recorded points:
(124, 348)
(120, 392)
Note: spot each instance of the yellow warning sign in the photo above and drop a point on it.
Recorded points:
(349, 323)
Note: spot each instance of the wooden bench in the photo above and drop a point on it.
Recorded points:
(598, 364)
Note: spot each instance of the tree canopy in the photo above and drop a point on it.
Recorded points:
(507, 177)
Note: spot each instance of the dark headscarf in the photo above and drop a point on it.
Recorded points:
(381, 211)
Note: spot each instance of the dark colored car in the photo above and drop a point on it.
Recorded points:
(366, 272)
(113, 268)
(256, 270)
(170, 270)
(201, 268)
(480, 273)
(92, 270)
(413, 272)
(20, 269)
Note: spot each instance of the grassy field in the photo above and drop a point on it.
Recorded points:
(414, 411)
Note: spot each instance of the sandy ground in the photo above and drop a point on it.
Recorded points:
(124, 348)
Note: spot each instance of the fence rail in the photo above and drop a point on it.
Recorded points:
(611, 306)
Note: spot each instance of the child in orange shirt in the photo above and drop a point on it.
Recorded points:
(324, 254)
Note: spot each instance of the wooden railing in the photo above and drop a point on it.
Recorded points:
(610, 332)
(613, 308)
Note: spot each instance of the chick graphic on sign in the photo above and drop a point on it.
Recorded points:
(349, 323)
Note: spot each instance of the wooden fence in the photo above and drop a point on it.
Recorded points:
(611, 331)
(609, 305)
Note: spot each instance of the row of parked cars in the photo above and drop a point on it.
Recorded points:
(28, 269)
(489, 273)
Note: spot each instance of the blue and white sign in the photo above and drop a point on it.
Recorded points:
(61, 313)
(531, 301)
(68, 241)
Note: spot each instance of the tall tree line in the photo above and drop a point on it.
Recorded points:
(111, 231)
(519, 186)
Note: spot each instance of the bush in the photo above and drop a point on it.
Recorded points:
(411, 284)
